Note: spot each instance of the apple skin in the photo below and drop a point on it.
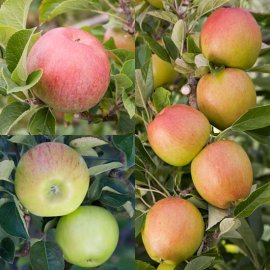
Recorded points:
(121, 38)
(164, 266)
(173, 230)
(231, 37)
(51, 179)
(155, 3)
(163, 71)
(222, 173)
(225, 95)
(178, 133)
(76, 69)
(88, 236)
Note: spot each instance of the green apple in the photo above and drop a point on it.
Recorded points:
(165, 266)
(88, 236)
(51, 179)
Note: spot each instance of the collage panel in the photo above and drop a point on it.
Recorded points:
(67, 202)
(202, 135)
(67, 67)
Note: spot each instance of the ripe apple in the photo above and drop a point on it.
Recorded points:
(155, 3)
(51, 179)
(163, 71)
(122, 39)
(225, 95)
(178, 133)
(222, 173)
(88, 236)
(231, 37)
(173, 230)
(76, 69)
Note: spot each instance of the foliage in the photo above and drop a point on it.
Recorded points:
(21, 111)
(29, 240)
(235, 238)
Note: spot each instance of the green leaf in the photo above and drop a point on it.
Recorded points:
(7, 250)
(228, 227)
(129, 69)
(13, 13)
(140, 265)
(129, 103)
(170, 46)
(256, 199)
(6, 168)
(98, 169)
(52, 8)
(113, 199)
(179, 34)
(11, 115)
(42, 122)
(25, 140)
(5, 33)
(200, 263)
(127, 145)
(139, 221)
(164, 15)
(13, 223)
(258, 117)
(157, 49)
(46, 255)
(16, 54)
(262, 69)
(161, 98)
(215, 215)
(206, 6)
(95, 190)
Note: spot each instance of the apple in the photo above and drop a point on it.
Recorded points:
(88, 236)
(76, 69)
(121, 38)
(225, 95)
(163, 72)
(222, 173)
(155, 3)
(231, 37)
(51, 179)
(173, 230)
(164, 266)
(178, 133)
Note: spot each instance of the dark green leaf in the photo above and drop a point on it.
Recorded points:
(7, 250)
(95, 190)
(46, 256)
(170, 46)
(140, 265)
(113, 199)
(139, 222)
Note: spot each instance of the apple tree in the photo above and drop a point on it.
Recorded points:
(41, 219)
(202, 134)
(71, 67)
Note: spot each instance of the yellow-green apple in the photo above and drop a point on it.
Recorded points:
(173, 230)
(178, 133)
(122, 39)
(51, 179)
(156, 3)
(76, 69)
(222, 173)
(88, 236)
(225, 95)
(231, 37)
(163, 71)
(165, 266)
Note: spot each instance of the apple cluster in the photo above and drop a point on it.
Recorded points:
(51, 180)
(221, 171)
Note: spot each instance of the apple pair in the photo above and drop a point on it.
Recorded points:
(52, 179)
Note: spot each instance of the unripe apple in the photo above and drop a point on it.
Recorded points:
(155, 3)
(225, 95)
(178, 133)
(88, 236)
(76, 69)
(231, 37)
(222, 173)
(163, 71)
(173, 230)
(51, 179)
(122, 39)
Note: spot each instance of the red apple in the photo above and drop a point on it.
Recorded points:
(122, 39)
(173, 231)
(222, 173)
(76, 69)
(225, 95)
(231, 37)
(178, 133)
